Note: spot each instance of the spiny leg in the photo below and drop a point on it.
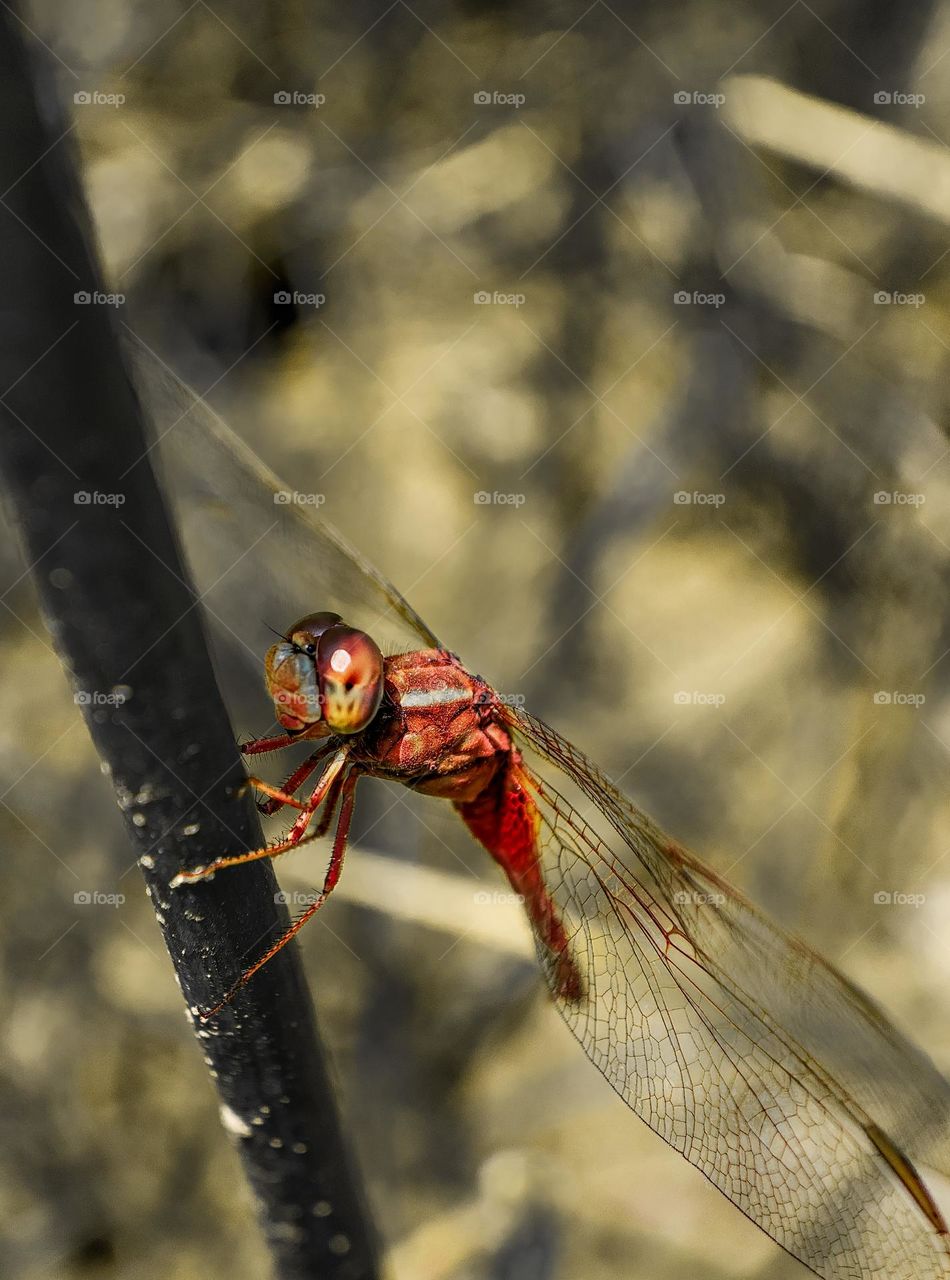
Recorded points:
(259, 746)
(294, 836)
(280, 796)
(329, 807)
(347, 789)
(348, 794)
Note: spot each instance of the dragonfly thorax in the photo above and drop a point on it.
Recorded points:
(437, 731)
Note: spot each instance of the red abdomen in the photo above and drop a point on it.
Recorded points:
(504, 819)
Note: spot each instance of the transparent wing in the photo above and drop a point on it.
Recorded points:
(258, 559)
(745, 1051)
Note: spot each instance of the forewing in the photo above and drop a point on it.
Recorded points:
(257, 558)
(739, 1046)
(743, 1049)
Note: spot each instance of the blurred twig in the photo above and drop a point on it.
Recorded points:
(883, 159)
(124, 620)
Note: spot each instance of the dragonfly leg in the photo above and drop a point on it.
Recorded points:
(258, 746)
(280, 796)
(347, 789)
(294, 836)
(329, 807)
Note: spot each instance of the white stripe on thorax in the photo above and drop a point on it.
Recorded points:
(435, 697)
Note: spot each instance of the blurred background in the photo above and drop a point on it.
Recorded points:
(618, 339)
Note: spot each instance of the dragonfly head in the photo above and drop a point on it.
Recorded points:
(323, 670)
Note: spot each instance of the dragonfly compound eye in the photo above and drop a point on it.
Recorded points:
(291, 677)
(306, 633)
(291, 673)
(350, 670)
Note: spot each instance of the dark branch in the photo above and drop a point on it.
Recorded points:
(127, 627)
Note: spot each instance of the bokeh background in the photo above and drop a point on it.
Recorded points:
(618, 337)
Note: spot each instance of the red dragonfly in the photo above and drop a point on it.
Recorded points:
(746, 1051)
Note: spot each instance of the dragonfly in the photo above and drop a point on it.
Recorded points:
(745, 1050)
